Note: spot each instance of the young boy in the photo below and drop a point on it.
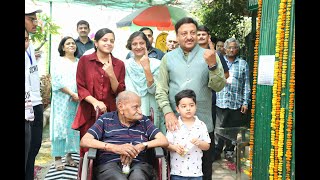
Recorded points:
(186, 143)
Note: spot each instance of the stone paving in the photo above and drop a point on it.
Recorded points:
(44, 159)
(224, 170)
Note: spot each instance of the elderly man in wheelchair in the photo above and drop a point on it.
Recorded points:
(122, 138)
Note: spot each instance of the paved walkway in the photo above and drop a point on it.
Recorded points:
(222, 169)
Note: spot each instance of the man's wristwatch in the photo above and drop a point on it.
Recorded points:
(145, 145)
(211, 68)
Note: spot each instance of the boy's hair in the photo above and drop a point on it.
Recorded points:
(186, 93)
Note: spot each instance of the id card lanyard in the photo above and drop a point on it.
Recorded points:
(29, 55)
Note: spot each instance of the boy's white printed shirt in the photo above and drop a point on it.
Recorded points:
(190, 164)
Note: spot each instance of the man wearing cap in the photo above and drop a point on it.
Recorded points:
(31, 23)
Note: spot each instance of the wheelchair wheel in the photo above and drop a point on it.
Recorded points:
(164, 168)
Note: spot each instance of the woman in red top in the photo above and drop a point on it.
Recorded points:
(100, 77)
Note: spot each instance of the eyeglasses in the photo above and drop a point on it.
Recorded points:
(34, 20)
(26, 39)
(171, 41)
(232, 48)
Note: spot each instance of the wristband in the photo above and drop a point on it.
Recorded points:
(213, 67)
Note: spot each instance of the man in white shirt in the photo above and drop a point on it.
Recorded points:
(29, 115)
(31, 23)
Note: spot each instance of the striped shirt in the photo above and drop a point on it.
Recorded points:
(109, 129)
(237, 89)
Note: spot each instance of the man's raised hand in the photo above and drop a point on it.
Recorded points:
(210, 57)
(211, 45)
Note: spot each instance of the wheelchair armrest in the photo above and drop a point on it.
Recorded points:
(158, 152)
(92, 153)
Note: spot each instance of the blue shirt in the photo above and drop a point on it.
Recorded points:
(109, 129)
(236, 93)
(225, 69)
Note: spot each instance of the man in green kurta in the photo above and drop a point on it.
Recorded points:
(190, 67)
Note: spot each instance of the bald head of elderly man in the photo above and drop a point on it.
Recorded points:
(171, 41)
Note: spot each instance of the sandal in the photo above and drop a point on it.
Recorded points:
(59, 165)
(70, 161)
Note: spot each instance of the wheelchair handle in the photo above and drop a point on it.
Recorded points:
(97, 112)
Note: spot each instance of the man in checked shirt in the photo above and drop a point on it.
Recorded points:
(233, 100)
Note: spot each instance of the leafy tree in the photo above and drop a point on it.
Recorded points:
(44, 28)
(39, 38)
(225, 18)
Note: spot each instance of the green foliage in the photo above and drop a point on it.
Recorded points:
(224, 19)
(44, 28)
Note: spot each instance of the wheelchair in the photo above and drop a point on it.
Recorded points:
(156, 157)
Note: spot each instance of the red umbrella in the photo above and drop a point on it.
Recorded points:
(161, 16)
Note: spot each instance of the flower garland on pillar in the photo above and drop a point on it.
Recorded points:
(278, 112)
(273, 121)
(254, 84)
(276, 94)
(288, 154)
(286, 16)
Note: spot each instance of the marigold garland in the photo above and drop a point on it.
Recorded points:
(278, 99)
(278, 112)
(288, 154)
(254, 85)
(283, 85)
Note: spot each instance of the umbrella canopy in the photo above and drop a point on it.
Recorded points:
(161, 16)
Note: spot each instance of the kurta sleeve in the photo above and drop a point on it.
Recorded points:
(82, 86)
(162, 87)
(155, 64)
(217, 80)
